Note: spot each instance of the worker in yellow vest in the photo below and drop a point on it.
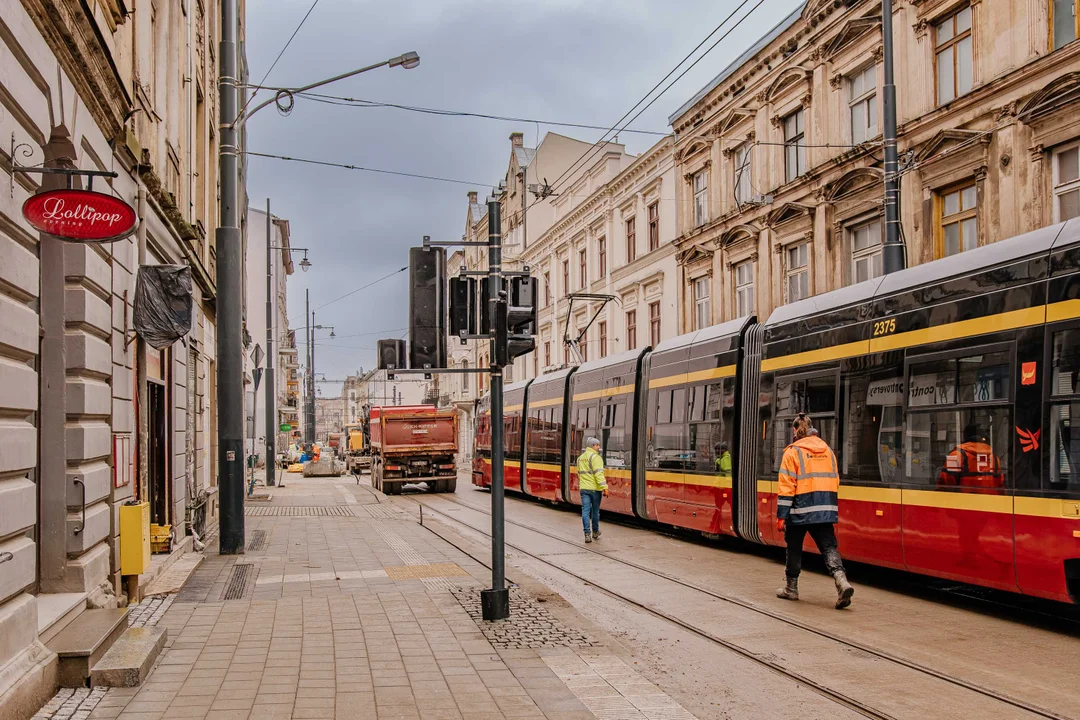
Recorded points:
(593, 487)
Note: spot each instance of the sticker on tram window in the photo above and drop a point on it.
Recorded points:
(1029, 439)
(884, 327)
(1027, 373)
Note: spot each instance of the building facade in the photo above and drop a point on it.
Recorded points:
(255, 323)
(94, 417)
(780, 181)
(611, 236)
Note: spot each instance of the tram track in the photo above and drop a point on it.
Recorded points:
(830, 693)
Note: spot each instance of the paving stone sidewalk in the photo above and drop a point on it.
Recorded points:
(358, 613)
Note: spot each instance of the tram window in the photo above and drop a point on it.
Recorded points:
(984, 378)
(1066, 366)
(697, 403)
(1064, 447)
(815, 396)
(678, 406)
(961, 450)
(616, 447)
(873, 424)
(715, 400)
(663, 407)
(932, 383)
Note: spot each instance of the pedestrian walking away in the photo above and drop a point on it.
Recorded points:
(808, 505)
(593, 487)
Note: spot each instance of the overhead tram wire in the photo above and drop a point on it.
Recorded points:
(357, 102)
(278, 58)
(353, 292)
(593, 150)
(344, 166)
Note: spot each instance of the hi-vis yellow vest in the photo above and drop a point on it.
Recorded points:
(590, 471)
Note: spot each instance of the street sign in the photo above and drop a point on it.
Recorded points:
(257, 355)
(257, 374)
(80, 215)
(285, 427)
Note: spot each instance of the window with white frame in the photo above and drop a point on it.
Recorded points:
(797, 272)
(744, 178)
(794, 145)
(702, 307)
(1067, 183)
(864, 238)
(862, 94)
(744, 288)
(701, 197)
(954, 59)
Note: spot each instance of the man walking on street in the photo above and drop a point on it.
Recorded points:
(808, 504)
(592, 485)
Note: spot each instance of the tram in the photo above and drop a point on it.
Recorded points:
(946, 390)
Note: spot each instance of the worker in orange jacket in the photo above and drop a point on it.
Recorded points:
(808, 504)
(973, 466)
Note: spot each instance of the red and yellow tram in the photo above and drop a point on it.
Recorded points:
(947, 391)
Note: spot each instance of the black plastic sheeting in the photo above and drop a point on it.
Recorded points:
(163, 304)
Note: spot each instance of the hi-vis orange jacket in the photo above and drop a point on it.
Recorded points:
(809, 483)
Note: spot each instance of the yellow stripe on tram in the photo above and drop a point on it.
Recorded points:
(674, 478)
(696, 376)
(962, 329)
(606, 392)
(545, 403)
(512, 408)
(836, 352)
(1064, 310)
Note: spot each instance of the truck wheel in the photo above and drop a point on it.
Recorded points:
(393, 488)
(449, 486)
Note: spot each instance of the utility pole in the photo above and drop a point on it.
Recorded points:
(271, 388)
(893, 253)
(495, 601)
(311, 352)
(230, 264)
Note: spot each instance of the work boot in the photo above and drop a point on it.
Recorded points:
(844, 591)
(588, 538)
(596, 535)
(790, 591)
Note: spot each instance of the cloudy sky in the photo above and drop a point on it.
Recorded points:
(581, 61)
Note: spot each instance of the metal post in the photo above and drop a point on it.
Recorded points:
(308, 431)
(271, 360)
(314, 436)
(893, 253)
(230, 266)
(495, 601)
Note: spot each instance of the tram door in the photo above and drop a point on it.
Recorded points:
(957, 497)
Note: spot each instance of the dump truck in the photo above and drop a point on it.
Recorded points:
(357, 448)
(413, 444)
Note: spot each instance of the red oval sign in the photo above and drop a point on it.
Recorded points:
(80, 215)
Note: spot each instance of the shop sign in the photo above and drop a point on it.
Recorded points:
(80, 215)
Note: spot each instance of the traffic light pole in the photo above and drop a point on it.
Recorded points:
(893, 252)
(495, 601)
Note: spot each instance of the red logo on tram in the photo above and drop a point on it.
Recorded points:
(1029, 440)
(1027, 373)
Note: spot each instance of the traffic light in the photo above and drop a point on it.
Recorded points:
(391, 354)
(463, 306)
(485, 304)
(515, 324)
(427, 307)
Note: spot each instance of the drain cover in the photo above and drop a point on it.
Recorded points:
(258, 540)
(297, 511)
(238, 582)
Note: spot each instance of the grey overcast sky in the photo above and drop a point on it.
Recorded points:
(582, 61)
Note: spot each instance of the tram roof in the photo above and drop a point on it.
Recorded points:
(553, 376)
(724, 329)
(625, 356)
(520, 385)
(979, 259)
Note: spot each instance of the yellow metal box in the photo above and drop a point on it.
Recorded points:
(134, 538)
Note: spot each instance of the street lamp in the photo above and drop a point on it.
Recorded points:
(230, 264)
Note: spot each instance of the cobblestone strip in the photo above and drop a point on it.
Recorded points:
(611, 689)
(149, 611)
(71, 704)
(530, 625)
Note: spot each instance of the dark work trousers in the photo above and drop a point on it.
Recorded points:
(825, 538)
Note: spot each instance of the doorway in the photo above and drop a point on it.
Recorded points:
(157, 451)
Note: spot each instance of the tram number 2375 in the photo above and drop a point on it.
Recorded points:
(884, 327)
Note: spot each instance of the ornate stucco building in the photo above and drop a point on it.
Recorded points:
(92, 416)
(779, 173)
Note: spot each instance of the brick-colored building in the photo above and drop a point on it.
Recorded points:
(779, 157)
